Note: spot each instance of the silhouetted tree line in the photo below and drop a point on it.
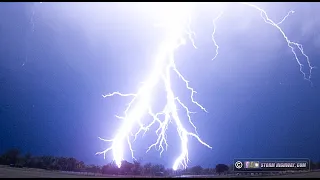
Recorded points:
(14, 157)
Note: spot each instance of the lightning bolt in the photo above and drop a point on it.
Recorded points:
(176, 23)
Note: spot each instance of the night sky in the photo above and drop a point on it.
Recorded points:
(57, 59)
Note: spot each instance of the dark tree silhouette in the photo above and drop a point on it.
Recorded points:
(11, 156)
(71, 164)
(313, 165)
(156, 168)
(196, 170)
(147, 169)
(126, 167)
(136, 168)
(27, 159)
(220, 168)
(80, 166)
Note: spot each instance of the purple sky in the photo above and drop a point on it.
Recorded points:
(57, 59)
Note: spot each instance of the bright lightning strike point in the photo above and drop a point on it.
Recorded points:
(176, 19)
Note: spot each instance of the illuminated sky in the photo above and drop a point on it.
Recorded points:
(57, 59)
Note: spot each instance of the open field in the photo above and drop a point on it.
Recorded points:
(296, 175)
(8, 172)
(299, 175)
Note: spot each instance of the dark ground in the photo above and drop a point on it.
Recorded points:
(9, 172)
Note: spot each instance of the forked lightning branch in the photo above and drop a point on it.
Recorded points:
(176, 24)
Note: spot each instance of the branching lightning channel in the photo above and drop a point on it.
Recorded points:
(290, 43)
(177, 27)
